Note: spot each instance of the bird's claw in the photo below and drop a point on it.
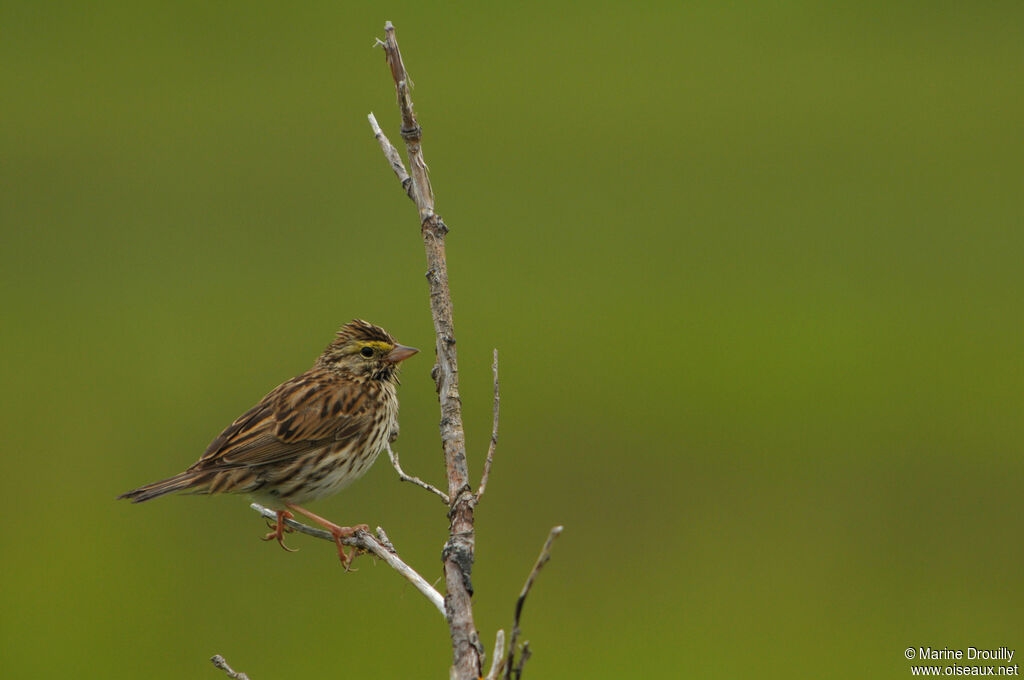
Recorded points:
(273, 526)
(347, 557)
(279, 529)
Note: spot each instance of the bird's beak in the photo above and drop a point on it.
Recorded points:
(400, 353)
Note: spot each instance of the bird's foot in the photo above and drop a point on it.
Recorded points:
(338, 532)
(280, 529)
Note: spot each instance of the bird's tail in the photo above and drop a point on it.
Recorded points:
(179, 482)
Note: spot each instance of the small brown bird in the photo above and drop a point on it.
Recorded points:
(310, 437)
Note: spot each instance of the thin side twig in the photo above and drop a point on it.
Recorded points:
(394, 158)
(511, 669)
(380, 546)
(220, 663)
(414, 480)
(494, 431)
(499, 656)
(524, 656)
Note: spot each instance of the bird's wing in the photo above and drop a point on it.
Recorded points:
(303, 414)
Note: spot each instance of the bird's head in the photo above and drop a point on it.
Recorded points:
(364, 351)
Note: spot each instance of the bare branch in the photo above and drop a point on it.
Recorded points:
(511, 670)
(494, 431)
(391, 153)
(380, 546)
(499, 656)
(415, 480)
(220, 663)
(458, 553)
(524, 656)
(384, 540)
(411, 131)
(542, 559)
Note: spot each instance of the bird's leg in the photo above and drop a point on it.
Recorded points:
(336, 531)
(280, 529)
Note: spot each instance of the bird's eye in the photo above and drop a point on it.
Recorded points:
(366, 352)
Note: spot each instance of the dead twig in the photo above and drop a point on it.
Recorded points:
(220, 663)
(524, 656)
(391, 153)
(513, 670)
(494, 431)
(497, 661)
(414, 480)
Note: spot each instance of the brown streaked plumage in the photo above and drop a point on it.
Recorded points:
(310, 437)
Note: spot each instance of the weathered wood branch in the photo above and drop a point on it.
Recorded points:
(494, 432)
(379, 546)
(514, 670)
(458, 552)
(403, 476)
(220, 663)
(499, 656)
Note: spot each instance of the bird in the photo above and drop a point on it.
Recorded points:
(309, 437)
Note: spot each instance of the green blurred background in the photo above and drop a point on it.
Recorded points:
(753, 270)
